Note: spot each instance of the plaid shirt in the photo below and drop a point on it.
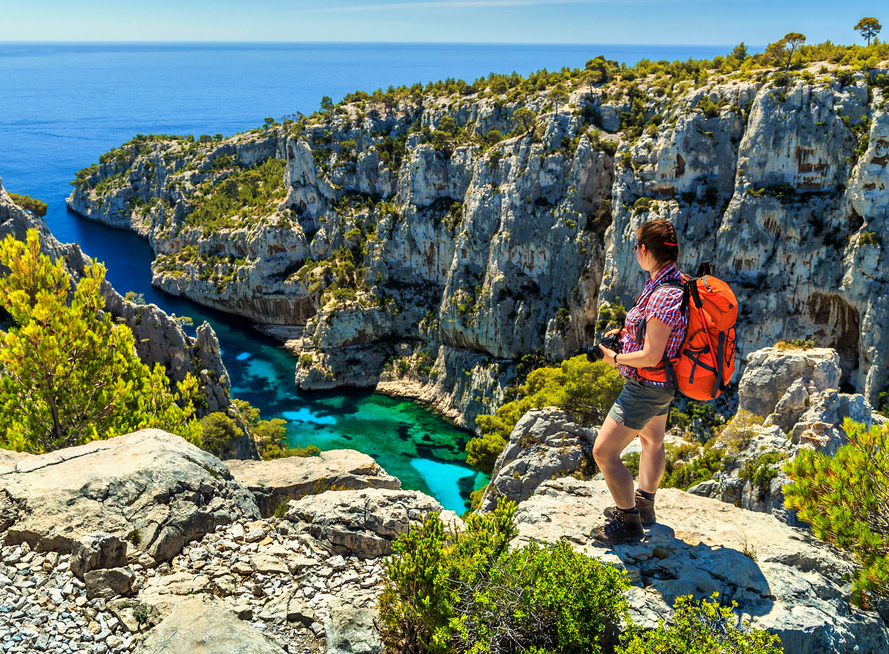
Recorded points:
(663, 304)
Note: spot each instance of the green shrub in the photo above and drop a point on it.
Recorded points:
(868, 238)
(689, 464)
(641, 205)
(586, 390)
(846, 500)
(450, 591)
(275, 451)
(701, 628)
(795, 344)
(218, 430)
(707, 414)
(281, 509)
(761, 470)
(266, 433)
(611, 316)
(33, 205)
(739, 431)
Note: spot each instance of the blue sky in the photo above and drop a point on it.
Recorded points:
(487, 21)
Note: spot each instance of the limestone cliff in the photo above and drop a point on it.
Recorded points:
(153, 186)
(412, 241)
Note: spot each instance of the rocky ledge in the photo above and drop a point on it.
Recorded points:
(783, 578)
(144, 542)
(274, 483)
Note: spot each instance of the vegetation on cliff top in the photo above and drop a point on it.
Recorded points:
(71, 374)
(27, 203)
(250, 193)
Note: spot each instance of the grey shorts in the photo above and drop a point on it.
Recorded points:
(638, 403)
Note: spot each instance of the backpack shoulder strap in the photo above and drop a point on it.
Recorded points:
(675, 283)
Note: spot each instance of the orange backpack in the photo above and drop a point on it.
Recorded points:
(705, 362)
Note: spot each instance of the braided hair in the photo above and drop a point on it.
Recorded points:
(660, 238)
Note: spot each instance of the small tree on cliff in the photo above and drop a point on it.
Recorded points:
(868, 27)
(70, 373)
(792, 42)
(781, 52)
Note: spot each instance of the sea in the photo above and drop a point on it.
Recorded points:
(64, 104)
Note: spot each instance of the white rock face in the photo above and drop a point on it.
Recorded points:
(771, 373)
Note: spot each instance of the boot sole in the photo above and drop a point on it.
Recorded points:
(605, 540)
(609, 513)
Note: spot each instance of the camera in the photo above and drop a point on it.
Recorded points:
(593, 353)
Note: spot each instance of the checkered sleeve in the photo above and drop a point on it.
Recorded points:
(665, 305)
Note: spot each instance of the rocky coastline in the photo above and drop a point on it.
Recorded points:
(474, 254)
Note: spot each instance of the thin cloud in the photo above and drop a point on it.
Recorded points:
(460, 4)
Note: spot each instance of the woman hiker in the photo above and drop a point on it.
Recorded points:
(643, 405)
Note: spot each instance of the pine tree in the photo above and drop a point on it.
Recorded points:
(70, 374)
(846, 500)
(868, 27)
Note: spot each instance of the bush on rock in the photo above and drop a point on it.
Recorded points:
(452, 591)
(846, 500)
(701, 628)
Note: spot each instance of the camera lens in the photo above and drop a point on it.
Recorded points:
(593, 353)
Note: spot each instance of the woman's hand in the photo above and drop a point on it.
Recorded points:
(608, 356)
(613, 331)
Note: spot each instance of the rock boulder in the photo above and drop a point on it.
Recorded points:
(207, 625)
(363, 522)
(771, 373)
(274, 482)
(783, 579)
(544, 443)
(96, 551)
(149, 487)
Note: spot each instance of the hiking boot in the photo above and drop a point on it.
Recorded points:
(621, 528)
(645, 507)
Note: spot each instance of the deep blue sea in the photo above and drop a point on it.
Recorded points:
(64, 104)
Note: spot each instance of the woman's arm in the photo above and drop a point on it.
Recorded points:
(657, 334)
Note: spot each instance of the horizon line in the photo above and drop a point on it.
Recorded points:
(244, 42)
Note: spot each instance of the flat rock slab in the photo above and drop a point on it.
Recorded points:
(275, 482)
(9, 458)
(350, 628)
(787, 582)
(150, 487)
(206, 625)
(364, 522)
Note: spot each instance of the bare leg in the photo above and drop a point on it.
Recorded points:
(612, 439)
(653, 459)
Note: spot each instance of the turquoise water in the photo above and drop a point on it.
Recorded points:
(62, 105)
